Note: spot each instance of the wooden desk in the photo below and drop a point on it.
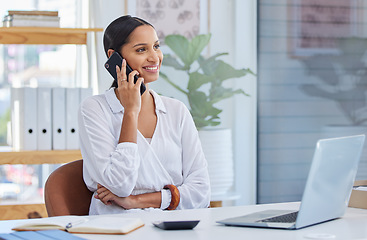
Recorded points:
(352, 226)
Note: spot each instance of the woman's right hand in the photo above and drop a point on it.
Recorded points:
(128, 92)
(108, 198)
(145, 200)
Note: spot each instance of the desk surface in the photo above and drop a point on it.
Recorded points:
(353, 225)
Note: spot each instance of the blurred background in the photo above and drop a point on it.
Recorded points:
(309, 58)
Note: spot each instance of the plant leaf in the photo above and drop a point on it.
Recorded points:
(209, 65)
(200, 123)
(224, 71)
(198, 100)
(196, 46)
(197, 79)
(171, 61)
(179, 45)
(213, 111)
(201, 108)
(223, 93)
(249, 71)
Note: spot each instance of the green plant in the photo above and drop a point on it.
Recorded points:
(201, 71)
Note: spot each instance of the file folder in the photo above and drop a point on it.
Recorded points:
(72, 106)
(58, 119)
(44, 140)
(24, 118)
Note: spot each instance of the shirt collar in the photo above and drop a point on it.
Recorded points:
(116, 106)
(113, 101)
(159, 105)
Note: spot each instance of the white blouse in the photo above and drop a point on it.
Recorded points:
(173, 156)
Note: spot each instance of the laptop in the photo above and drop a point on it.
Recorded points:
(327, 191)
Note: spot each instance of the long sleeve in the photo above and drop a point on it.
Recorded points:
(194, 183)
(195, 190)
(106, 162)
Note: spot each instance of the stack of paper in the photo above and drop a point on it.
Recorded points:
(32, 19)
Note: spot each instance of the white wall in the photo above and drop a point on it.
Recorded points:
(101, 14)
(245, 115)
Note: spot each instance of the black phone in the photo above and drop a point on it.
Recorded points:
(116, 59)
(176, 225)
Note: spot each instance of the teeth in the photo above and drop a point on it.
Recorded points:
(151, 68)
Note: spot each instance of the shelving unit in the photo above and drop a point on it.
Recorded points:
(39, 35)
(45, 35)
(39, 157)
(42, 35)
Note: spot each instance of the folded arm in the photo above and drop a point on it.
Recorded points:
(145, 200)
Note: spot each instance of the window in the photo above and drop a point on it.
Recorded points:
(312, 85)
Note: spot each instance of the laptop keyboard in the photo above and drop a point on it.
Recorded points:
(286, 218)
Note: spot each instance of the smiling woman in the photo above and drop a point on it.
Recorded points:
(140, 151)
(143, 53)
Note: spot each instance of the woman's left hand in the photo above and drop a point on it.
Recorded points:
(107, 197)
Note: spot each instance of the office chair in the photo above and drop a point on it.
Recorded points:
(66, 192)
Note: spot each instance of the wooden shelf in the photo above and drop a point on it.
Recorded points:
(45, 35)
(39, 157)
(21, 211)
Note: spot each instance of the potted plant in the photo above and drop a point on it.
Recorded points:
(206, 73)
(201, 71)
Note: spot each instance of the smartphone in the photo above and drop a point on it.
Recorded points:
(176, 225)
(116, 59)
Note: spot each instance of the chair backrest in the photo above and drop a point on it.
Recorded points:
(66, 192)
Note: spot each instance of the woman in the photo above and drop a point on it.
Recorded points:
(140, 151)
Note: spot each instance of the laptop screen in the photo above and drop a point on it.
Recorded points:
(330, 180)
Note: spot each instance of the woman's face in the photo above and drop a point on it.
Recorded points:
(143, 53)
